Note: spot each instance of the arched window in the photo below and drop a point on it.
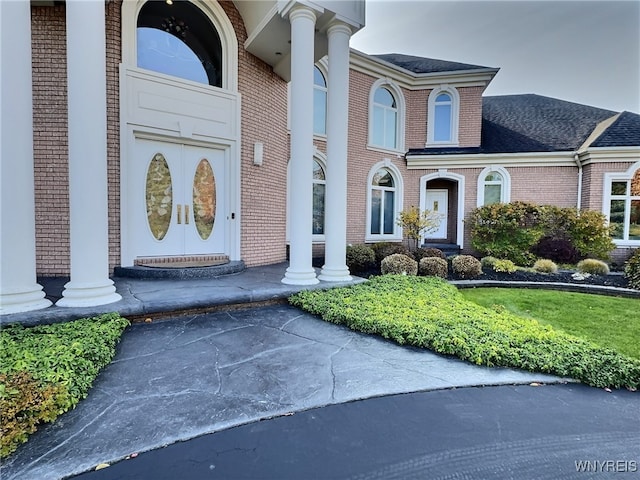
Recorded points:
(384, 202)
(318, 198)
(494, 186)
(385, 119)
(624, 205)
(179, 40)
(442, 118)
(319, 103)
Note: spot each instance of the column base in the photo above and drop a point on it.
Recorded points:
(88, 295)
(300, 277)
(332, 274)
(26, 301)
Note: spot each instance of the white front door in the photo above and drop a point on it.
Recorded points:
(437, 201)
(177, 200)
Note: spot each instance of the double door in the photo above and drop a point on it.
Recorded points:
(178, 202)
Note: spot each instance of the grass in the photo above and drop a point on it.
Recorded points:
(611, 322)
(430, 313)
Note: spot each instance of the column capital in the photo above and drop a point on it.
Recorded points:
(297, 10)
(338, 26)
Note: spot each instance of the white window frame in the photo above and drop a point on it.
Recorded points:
(322, 68)
(505, 191)
(609, 178)
(321, 158)
(431, 116)
(398, 203)
(396, 92)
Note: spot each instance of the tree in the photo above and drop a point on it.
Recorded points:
(416, 223)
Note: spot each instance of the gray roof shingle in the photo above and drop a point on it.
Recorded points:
(624, 132)
(425, 65)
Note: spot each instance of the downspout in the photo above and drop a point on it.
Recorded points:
(576, 158)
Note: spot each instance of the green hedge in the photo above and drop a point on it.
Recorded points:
(46, 370)
(430, 313)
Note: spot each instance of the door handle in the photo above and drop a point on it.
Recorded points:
(179, 209)
(186, 214)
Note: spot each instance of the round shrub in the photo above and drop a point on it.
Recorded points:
(384, 249)
(632, 270)
(466, 266)
(504, 266)
(560, 250)
(421, 253)
(488, 262)
(593, 266)
(399, 264)
(433, 267)
(360, 258)
(545, 266)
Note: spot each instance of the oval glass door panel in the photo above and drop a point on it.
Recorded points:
(159, 196)
(204, 199)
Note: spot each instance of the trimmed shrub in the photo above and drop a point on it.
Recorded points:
(421, 253)
(433, 267)
(545, 266)
(466, 266)
(488, 262)
(504, 266)
(506, 230)
(384, 249)
(360, 258)
(24, 403)
(632, 270)
(430, 313)
(593, 266)
(559, 250)
(399, 264)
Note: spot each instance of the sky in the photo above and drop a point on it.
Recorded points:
(581, 51)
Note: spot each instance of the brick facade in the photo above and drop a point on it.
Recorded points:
(264, 120)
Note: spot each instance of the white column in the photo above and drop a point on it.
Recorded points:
(88, 215)
(300, 271)
(335, 268)
(19, 291)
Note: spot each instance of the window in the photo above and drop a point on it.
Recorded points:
(384, 202)
(319, 103)
(386, 116)
(318, 198)
(624, 206)
(442, 119)
(494, 185)
(385, 119)
(179, 40)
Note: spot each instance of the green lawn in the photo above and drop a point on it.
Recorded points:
(611, 322)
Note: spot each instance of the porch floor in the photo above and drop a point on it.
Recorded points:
(154, 298)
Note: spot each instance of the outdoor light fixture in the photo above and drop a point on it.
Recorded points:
(169, 2)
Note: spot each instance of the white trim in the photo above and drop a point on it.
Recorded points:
(431, 116)
(551, 159)
(399, 202)
(363, 63)
(606, 202)
(443, 173)
(505, 191)
(219, 19)
(400, 119)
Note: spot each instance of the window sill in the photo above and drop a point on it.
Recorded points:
(395, 152)
(383, 238)
(441, 144)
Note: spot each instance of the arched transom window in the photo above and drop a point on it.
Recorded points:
(494, 186)
(179, 40)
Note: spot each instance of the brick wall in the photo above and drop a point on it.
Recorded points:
(48, 43)
(593, 182)
(264, 119)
